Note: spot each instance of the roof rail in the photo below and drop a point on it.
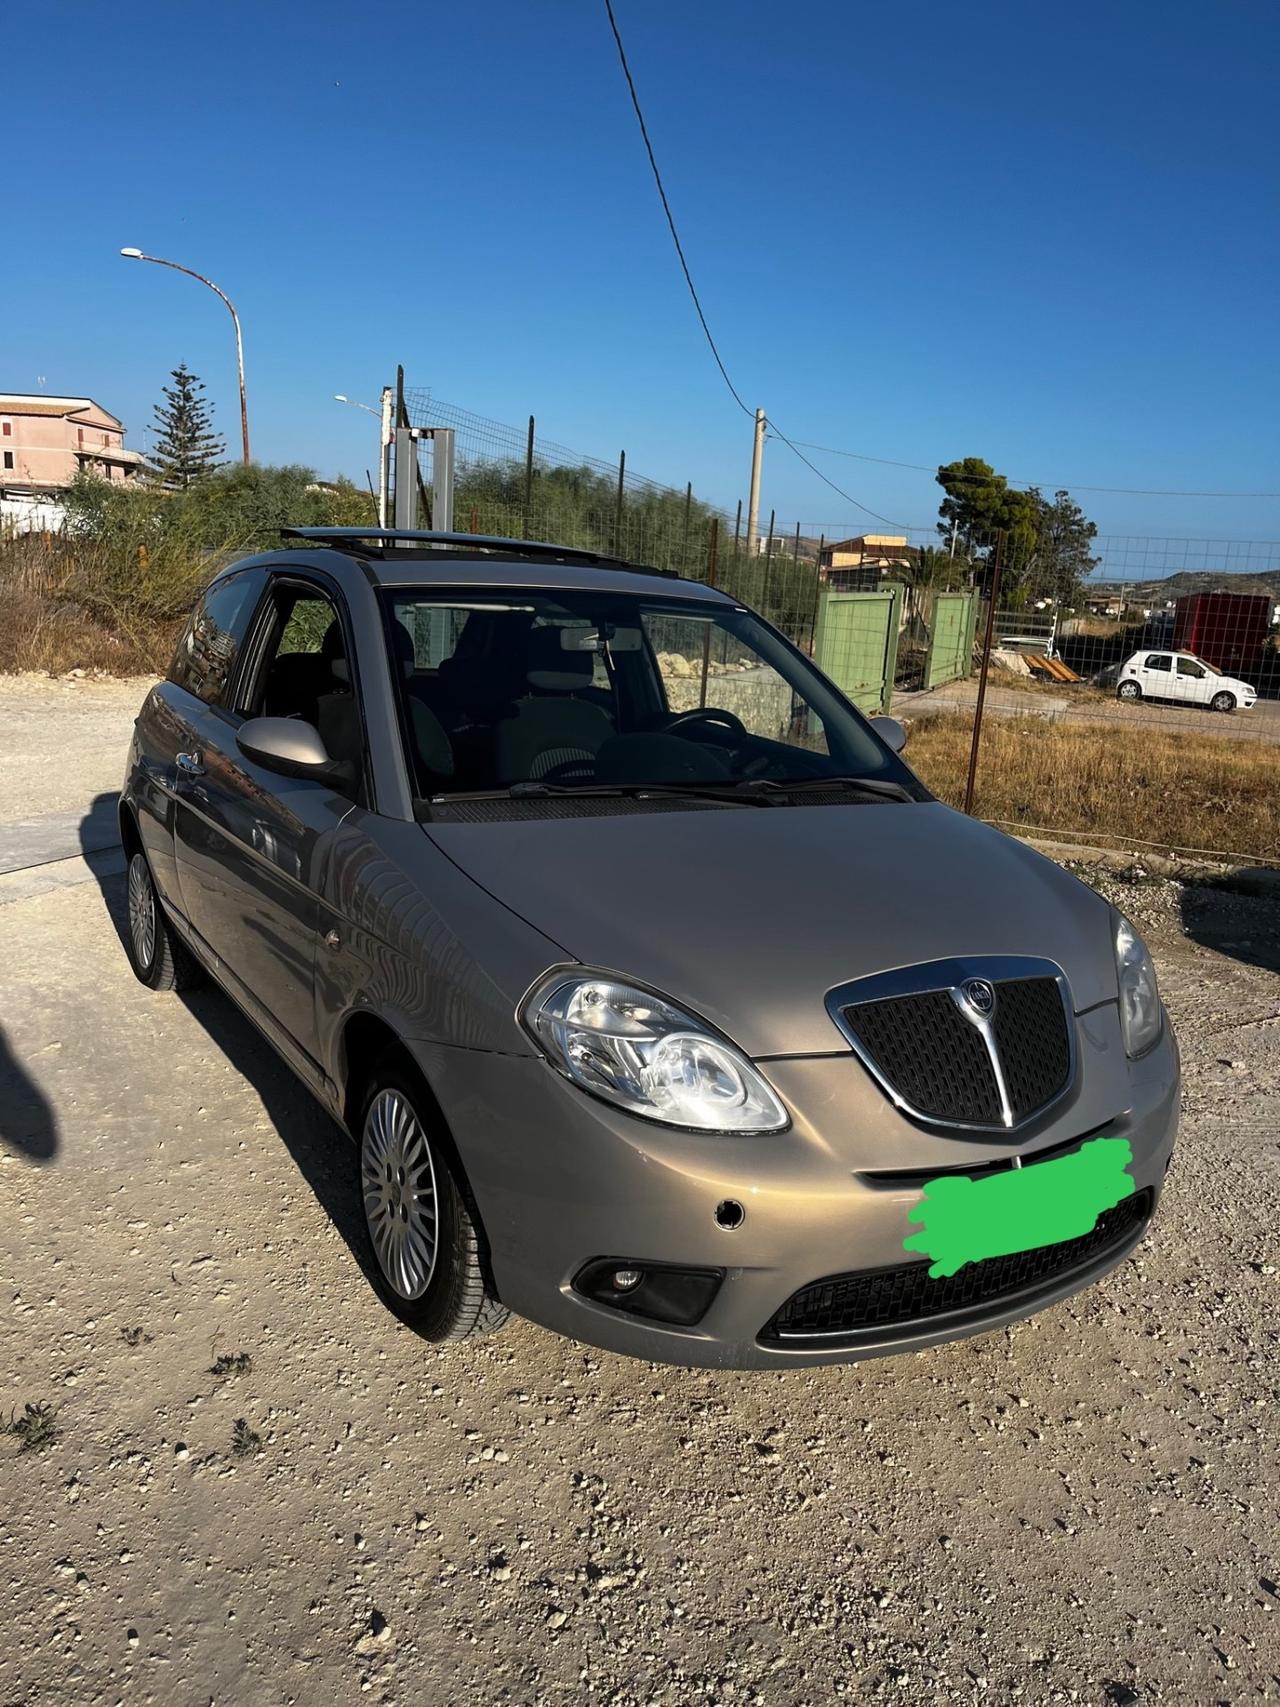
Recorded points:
(479, 543)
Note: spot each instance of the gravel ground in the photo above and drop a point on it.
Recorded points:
(63, 739)
(1082, 1508)
(1260, 723)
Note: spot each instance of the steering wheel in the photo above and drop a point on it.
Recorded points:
(710, 714)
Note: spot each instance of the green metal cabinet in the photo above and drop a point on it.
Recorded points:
(856, 642)
(951, 640)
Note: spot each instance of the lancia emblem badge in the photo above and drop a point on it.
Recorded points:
(980, 996)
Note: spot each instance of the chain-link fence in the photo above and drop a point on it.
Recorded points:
(1128, 694)
(521, 485)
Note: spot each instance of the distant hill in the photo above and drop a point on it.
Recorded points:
(1188, 581)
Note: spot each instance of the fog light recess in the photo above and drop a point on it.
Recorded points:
(663, 1292)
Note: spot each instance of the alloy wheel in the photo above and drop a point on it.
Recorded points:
(398, 1181)
(142, 912)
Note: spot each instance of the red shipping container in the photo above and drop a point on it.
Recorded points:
(1226, 629)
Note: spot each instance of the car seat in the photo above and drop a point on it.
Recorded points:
(550, 727)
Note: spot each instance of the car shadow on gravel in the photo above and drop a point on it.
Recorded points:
(322, 1151)
(1236, 915)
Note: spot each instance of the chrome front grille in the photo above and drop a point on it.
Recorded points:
(986, 1042)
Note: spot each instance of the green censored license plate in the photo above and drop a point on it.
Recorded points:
(965, 1220)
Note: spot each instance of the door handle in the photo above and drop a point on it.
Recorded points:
(190, 764)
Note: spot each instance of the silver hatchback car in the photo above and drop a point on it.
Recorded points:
(663, 1002)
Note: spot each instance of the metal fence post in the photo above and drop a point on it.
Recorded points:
(528, 482)
(617, 514)
(982, 678)
(406, 486)
(384, 460)
(442, 479)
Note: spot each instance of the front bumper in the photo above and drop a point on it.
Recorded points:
(561, 1178)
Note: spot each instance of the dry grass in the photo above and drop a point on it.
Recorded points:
(41, 634)
(1181, 790)
(68, 605)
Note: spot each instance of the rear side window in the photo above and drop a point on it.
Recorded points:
(1158, 661)
(207, 652)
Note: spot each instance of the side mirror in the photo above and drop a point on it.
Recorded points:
(287, 745)
(891, 732)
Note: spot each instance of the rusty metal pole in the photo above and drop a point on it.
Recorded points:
(713, 549)
(982, 676)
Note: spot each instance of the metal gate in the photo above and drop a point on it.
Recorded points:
(856, 642)
(951, 641)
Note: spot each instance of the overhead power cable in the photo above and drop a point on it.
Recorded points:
(666, 208)
(1040, 485)
(848, 497)
(688, 279)
(830, 450)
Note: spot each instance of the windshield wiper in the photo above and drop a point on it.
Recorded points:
(880, 787)
(727, 796)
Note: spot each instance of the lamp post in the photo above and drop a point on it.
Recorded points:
(137, 255)
(383, 416)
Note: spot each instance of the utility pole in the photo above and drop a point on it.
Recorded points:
(753, 498)
(384, 460)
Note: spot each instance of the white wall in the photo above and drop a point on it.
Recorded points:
(24, 512)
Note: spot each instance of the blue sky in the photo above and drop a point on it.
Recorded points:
(1043, 235)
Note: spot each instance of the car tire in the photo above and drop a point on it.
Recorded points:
(429, 1259)
(157, 954)
(1129, 690)
(1224, 702)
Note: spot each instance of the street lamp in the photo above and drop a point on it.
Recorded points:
(383, 416)
(367, 407)
(137, 255)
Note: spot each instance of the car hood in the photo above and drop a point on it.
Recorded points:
(749, 916)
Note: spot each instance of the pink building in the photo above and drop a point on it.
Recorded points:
(46, 441)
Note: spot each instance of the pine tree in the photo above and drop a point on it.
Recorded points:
(185, 444)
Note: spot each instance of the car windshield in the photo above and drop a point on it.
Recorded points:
(539, 691)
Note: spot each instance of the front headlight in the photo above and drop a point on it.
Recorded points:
(1141, 1016)
(647, 1056)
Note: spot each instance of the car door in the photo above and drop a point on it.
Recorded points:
(1194, 684)
(251, 843)
(1156, 676)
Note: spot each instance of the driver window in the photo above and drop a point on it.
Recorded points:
(702, 666)
(1188, 667)
(305, 674)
